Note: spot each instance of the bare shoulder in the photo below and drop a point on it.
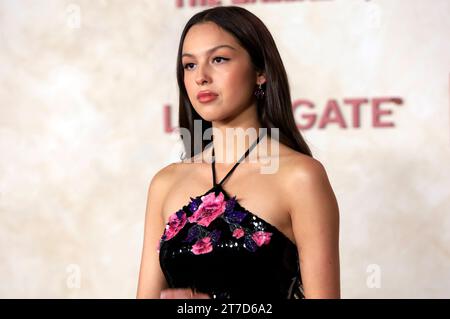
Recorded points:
(167, 176)
(296, 167)
(300, 168)
(163, 176)
(163, 180)
(305, 179)
(173, 170)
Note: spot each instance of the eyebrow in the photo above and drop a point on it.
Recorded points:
(211, 50)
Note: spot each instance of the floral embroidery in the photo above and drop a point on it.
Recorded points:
(195, 202)
(175, 224)
(194, 233)
(202, 246)
(205, 210)
(210, 208)
(205, 245)
(238, 233)
(261, 237)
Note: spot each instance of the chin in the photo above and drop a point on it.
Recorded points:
(211, 114)
(211, 117)
(214, 112)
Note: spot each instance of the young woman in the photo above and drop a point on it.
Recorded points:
(215, 226)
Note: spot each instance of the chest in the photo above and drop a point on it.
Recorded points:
(261, 194)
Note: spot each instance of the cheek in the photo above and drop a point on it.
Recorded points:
(187, 83)
(239, 85)
(190, 87)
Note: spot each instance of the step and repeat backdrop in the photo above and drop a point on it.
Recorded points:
(88, 115)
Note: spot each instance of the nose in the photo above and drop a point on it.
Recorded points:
(202, 75)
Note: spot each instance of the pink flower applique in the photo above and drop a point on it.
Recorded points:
(202, 246)
(238, 233)
(175, 224)
(261, 238)
(211, 207)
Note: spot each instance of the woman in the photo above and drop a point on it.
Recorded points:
(223, 230)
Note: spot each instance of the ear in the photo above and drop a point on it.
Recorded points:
(260, 78)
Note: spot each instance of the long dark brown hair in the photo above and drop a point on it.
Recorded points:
(275, 109)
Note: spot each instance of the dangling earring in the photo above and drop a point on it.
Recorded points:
(259, 92)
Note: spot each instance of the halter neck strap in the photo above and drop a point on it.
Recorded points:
(238, 162)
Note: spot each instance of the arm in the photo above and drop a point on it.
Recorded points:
(315, 222)
(151, 279)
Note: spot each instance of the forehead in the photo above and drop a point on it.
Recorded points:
(202, 37)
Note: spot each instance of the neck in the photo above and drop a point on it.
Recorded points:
(233, 138)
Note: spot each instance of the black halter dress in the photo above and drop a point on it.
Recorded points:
(216, 246)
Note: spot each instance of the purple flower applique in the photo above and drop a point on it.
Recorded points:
(235, 217)
(193, 233)
(250, 244)
(194, 204)
(232, 216)
(204, 210)
(230, 204)
(215, 235)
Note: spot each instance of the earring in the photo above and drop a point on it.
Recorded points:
(259, 92)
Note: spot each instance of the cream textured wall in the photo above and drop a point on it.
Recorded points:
(82, 90)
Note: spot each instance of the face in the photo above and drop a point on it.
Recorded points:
(227, 71)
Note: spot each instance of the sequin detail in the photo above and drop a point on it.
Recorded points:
(216, 246)
(205, 211)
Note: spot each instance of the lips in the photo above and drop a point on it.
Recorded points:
(206, 96)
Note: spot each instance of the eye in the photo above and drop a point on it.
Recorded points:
(221, 58)
(186, 66)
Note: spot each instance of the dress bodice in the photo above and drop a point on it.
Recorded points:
(216, 246)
